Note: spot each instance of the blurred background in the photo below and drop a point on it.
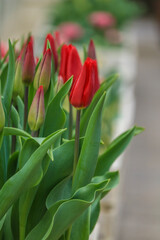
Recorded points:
(127, 38)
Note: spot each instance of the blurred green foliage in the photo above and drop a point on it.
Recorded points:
(78, 10)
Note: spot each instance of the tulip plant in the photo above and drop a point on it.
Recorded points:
(52, 176)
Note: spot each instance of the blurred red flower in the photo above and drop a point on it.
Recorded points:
(102, 19)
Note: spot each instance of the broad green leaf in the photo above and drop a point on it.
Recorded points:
(95, 207)
(9, 83)
(24, 178)
(57, 220)
(15, 131)
(59, 169)
(88, 112)
(89, 153)
(113, 181)
(95, 210)
(63, 190)
(55, 115)
(81, 227)
(114, 150)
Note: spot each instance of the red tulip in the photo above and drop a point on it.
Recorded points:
(70, 63)
(86, 85)
(91, 50)
(28, 64)
(51, 40)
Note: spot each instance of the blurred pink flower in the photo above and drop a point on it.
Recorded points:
(102, 19)
(70, 31)
(59, 40)
(113, 36)
(3, 49)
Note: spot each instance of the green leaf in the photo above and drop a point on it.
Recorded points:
(114, 150)
(15, 118)
(95, 210)
(59, 169)
(10, 78)
(20, 106)
(55, 116)
(2, 222)
(15, 131)
(89, 153)
(81, 227)
(57, 220)
(3, 77)
(113, 180)
(63, 190)
(24, 179)
(88, 112)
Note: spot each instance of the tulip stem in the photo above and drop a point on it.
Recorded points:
(25, 107)
(76, 148)
(70, 121)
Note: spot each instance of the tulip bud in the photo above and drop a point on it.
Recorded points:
(37, 111)
(43, 74)
(51, 40)
(18, 87)
(86, 85)
(70, 63)
(91, 50)
(2, 116)
(28, 64)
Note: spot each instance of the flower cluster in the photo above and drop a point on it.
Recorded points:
(51, 167)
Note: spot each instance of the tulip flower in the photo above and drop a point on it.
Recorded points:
(70, 63)
(91, 50)
(28, 64)
(2, 116)
(18, 86)
(36, 114)
(3, 49)
(43, 74)
(86, 85)
(58, 39)
(101, 20)
(71, 31)
(51, 40)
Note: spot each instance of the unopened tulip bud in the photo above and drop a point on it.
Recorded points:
(18, 86)
(91, 50)
(86, 85)
(37, 111)
(51, 40)
(70, 63)
(28, 64)
(2, 116)
(43, 74)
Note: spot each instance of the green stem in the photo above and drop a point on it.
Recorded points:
(70, 121)
(25, 107)
(76, 148)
